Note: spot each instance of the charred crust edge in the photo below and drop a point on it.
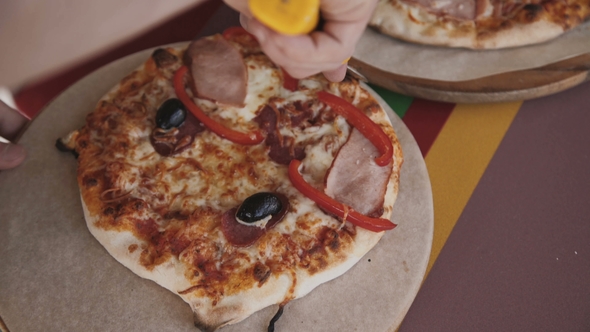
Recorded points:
(275, 318)
(59, 144)
(163, 58)
(204, 327)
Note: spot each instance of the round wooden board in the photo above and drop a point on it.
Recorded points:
(511, 86)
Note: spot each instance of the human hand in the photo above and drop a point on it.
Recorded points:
(323, 51)
(11, 122)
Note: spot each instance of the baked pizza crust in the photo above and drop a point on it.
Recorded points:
(279, 288)
(415, 24)
(233, 309)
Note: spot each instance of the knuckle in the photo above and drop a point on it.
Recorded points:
(299, 73)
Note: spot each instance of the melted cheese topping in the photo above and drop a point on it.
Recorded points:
(174, 204)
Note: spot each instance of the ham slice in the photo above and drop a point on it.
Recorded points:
(355, 179)
(282, 148)
(218, 70)
(459, 9)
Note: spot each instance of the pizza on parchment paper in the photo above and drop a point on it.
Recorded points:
(478, 24)
(213, 173)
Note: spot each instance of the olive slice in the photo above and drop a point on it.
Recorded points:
(259, 206)
(243, 234)
(263, 205)
(171, 113)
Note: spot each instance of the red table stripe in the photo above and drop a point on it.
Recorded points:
(425, 119)
(32, 98)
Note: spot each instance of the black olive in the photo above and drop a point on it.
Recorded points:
(259, 206)
(59, 144)
(170, 114)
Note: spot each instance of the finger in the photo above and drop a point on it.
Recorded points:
(301, 72)
(11, 155)
(244, 21)
(315, 48)
(11, 122)
(239, 5)
(336, 75)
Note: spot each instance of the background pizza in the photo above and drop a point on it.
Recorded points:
(482, 24)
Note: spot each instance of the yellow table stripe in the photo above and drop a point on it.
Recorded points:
(457, 159)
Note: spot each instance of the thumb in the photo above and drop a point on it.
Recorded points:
(11, 155)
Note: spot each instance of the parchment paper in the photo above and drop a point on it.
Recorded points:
(458, 64)
(55, 276)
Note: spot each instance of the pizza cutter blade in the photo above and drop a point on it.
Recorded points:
(350, 71)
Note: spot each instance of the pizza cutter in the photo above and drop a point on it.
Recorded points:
(293, 17)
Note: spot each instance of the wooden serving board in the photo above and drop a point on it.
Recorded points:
(510, 86)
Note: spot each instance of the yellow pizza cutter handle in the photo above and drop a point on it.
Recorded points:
(289, 17)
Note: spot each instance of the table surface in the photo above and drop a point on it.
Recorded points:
(511, 184)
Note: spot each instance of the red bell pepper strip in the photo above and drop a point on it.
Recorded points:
(231, 32)
(331, 205)
(363, 123)
(289, 82)
(251, 138)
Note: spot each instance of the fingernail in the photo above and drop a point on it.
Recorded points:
(12, 152)
(244, 21)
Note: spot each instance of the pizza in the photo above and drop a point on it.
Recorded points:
(478, 24)
(212, 172)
